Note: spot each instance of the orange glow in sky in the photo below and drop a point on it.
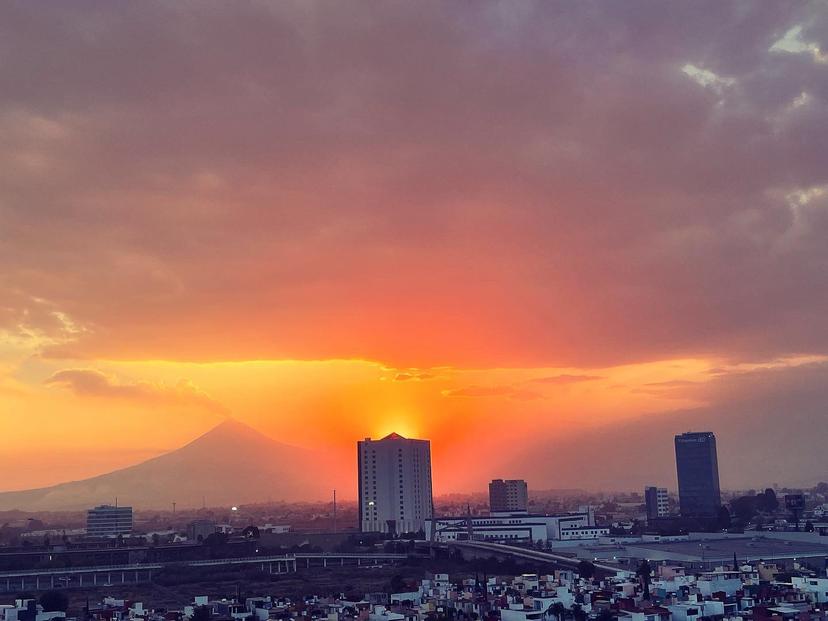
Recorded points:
(114, 413)
(544, 236)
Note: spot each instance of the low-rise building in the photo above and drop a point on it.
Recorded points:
(109, 521)
(199, 530)
(510, 496)
(514, 528)
(657, 502)
(27, 609)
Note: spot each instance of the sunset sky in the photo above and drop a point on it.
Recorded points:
(544, 235)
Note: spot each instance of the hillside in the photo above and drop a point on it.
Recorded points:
(230, 464)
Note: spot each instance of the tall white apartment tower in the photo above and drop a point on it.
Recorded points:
(394, 484)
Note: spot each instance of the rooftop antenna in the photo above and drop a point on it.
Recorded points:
(334, 511)
(116, 501)
(173, 507)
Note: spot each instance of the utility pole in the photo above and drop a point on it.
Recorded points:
(334, 511)
(173, 507)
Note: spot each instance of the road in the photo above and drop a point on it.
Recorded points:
(502, 549)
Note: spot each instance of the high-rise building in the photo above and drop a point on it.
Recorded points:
(657, 502)
(508, 496)
(108, 521)
(394, 484)
(697, 467)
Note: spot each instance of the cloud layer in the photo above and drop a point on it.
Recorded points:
(769, 424)
(93, 383)
(427, 183)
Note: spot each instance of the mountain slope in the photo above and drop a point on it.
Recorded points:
(230, 464)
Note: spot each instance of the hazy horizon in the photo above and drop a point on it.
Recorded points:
(234, 434)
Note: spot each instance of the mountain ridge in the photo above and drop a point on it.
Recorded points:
(228, 464)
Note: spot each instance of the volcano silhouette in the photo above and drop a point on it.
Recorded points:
(230, 464)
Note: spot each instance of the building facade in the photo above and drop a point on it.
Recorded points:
(514, 528)
(697, 468)
(108, 521)
(508, 496)
(657, 501)
(394, 484)
(199, 530)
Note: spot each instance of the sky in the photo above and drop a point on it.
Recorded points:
(544, 235)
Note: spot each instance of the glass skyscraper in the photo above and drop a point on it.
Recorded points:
(698, 474)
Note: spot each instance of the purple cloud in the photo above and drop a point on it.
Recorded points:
(550, 183)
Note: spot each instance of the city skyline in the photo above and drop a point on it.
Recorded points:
(254, 480)
(567, 229)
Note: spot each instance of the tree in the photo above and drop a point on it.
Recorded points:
(644, 570)
(397, 584)
(767, 501)
(744, 508)
(251, 532)
(578, 613)
(216, 539)
(53, 601)
(809, 526)
(201, 613)
(724, 518)
(586, 570)
(558, 609)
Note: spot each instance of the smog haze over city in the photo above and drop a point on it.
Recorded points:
(545, 236)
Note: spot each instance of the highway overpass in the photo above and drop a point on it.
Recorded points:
(113, 575)
(500, 550)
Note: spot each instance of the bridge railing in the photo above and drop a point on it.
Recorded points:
(239, 560)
